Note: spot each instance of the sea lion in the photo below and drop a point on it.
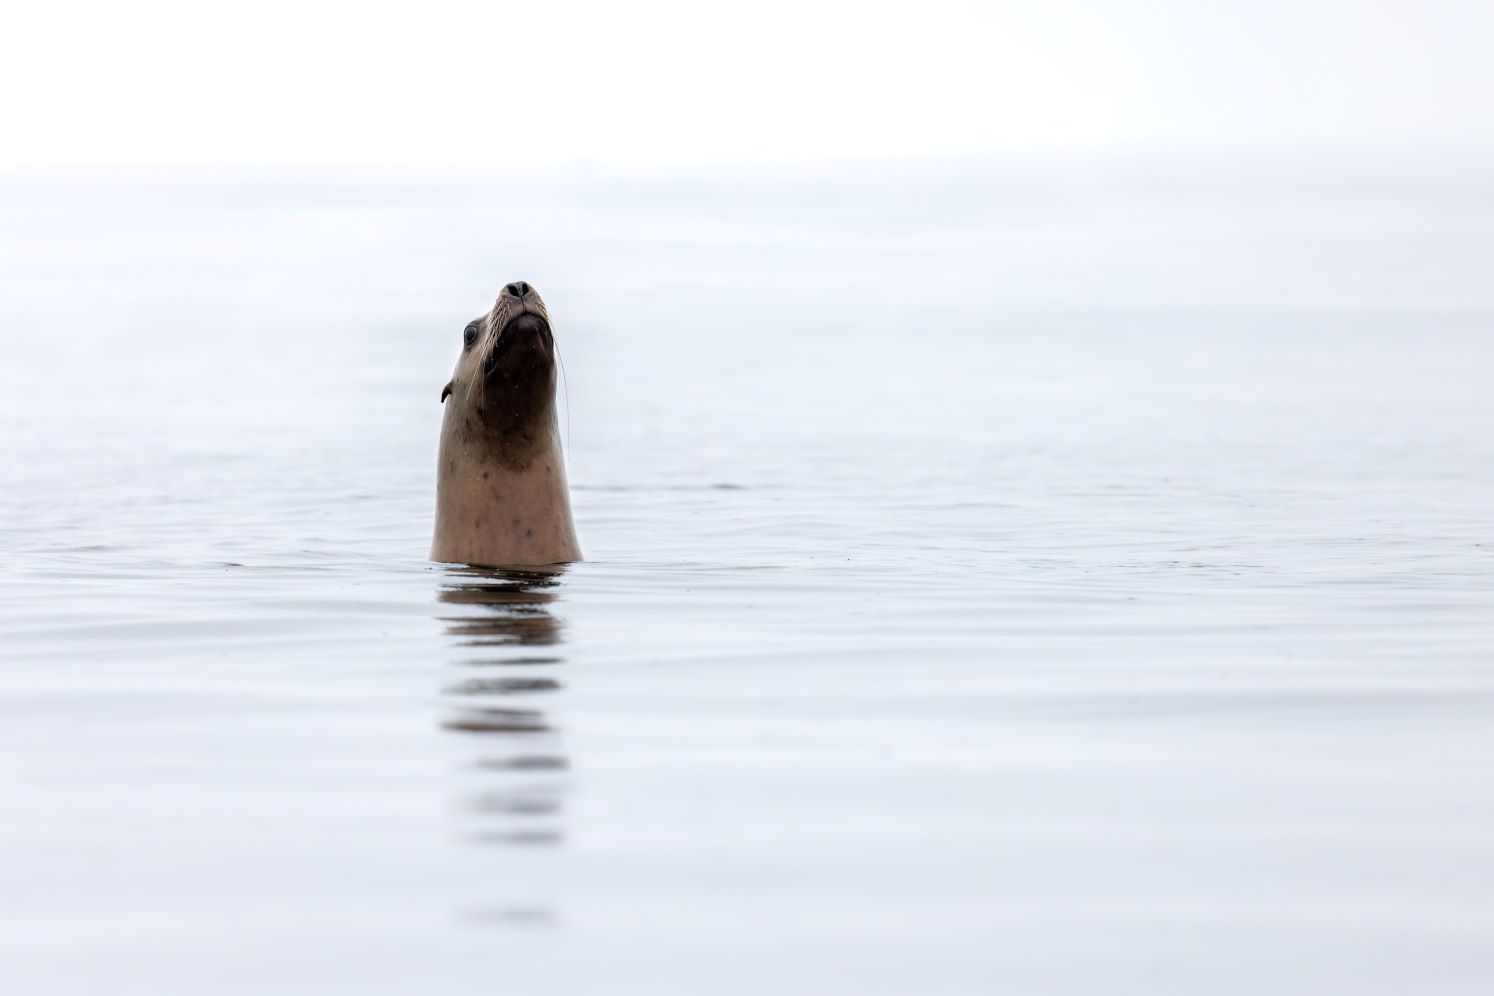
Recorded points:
(501, 494)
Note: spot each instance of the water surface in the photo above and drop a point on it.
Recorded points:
(938, 634)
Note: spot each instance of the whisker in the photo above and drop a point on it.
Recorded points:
(565, 388)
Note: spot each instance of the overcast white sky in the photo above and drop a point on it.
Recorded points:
(657, 81)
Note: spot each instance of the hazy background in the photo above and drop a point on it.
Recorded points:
(1328, 155)
(480, 85)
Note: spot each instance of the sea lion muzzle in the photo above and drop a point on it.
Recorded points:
(524, 347)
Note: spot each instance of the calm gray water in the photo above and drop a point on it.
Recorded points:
(992, 586)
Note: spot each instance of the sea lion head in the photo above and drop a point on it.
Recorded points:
(501, 493)
(504, 385)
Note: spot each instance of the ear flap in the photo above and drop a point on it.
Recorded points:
(446, 391)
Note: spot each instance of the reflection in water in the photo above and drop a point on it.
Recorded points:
(519, 764)
(504, 686)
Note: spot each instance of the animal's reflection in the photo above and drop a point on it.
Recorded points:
(506, 637)
(512, 609)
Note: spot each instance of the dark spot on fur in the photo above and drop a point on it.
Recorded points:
(528, 533)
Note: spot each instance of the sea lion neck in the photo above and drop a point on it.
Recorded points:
(507, 434)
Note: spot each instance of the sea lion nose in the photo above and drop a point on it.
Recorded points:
(518, 289)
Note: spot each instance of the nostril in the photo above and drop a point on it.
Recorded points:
(518, 289)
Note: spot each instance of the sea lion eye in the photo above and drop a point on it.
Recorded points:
(469, 334)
